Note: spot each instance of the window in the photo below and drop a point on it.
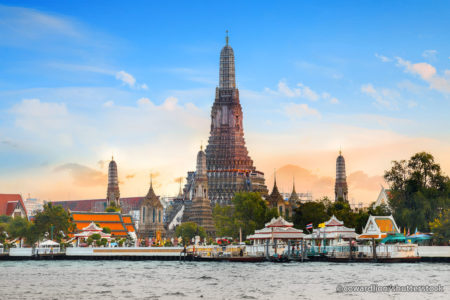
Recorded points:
(159, 216)
(280, 208)
(154, 215)
(143, 214)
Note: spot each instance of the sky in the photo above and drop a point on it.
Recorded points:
(81, 81)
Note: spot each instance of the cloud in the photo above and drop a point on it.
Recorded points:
(299, 91)
(300, 111)
(428, 73)
(332, 100)
(386, 98)
(360, 180)
(429, 54)
(130, 176)
(383, 58)
(108, 104)
(102, 163)
(126, 78)
(9, 143)
(83, 176)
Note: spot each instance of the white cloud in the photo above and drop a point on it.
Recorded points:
(126, 78)
(300, 91)
(332, 100)
(301, 111)
(144, 86)
(36, 108)
(383, 97)
(383, 58)
(108, 104)
(430, 54)
(428, 73)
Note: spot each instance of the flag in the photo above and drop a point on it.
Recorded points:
(321, 225)
(404, 231)
(309, 226)
(408, 231)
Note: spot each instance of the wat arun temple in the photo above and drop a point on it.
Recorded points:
(229, 166)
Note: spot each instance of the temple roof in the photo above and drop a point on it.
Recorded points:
(8, 203)
(113, 220)
(294, 197)
(98, 205)
(275, 197)
(151, 199)
(279, 222)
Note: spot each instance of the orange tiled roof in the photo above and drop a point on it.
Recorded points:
(112, 220)
(385, 225)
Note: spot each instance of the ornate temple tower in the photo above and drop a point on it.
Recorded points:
(276, 200)
(200, 211)
(113, 193)
(340, 188)
(151, 216)
(230, 168)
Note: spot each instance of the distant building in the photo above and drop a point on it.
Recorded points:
(383, 198)
(151, 222)
(33, 206)
(276, 200)
(128, 204)
(113, 193)
(12, 205)
(340, 188)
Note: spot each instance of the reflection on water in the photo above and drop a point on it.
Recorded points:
(186, 280)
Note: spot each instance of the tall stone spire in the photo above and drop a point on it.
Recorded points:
(340, 188)
(229, 166)
(227, 76)
(200, 211)
(293, 199)
(113, 193)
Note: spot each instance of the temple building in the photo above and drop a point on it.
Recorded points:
(113, 193)
(294, 200)
(12, 205)
(121, 225)
(230, 168)
(276, 200)
(151, 222)
(340, 188)
(200, 211)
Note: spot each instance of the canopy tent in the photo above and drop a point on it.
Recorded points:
(418, 238)
(394, 238)
(49, 243)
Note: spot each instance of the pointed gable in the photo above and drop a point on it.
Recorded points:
(10, 202)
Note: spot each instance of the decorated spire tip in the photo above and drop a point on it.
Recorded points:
(226, 38)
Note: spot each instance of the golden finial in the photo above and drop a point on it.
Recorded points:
(226, 38)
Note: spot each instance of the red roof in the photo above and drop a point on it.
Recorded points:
(8, 203)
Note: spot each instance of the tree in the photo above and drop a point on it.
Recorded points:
(441, 228)
(56, 219)
(23, 229)
(419, 191)
(248, 213)
(380, 210)
(106, 230)
(112, 207)
(189, 230)
(310, 212)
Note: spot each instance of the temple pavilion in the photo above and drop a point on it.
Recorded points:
(333, 231)
(276, 231)
(89, 230)
(379, 227)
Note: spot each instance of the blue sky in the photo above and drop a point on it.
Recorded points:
(81, 80)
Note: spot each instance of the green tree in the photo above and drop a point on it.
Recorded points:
(112, 207)
(310, 212)
(419, 191)
(23, 229)
(106, 230)
(441, 228)
(56, 219)
(248, 213)
(380, 210)
(189, 230)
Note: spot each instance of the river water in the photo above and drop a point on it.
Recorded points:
(213, 280)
